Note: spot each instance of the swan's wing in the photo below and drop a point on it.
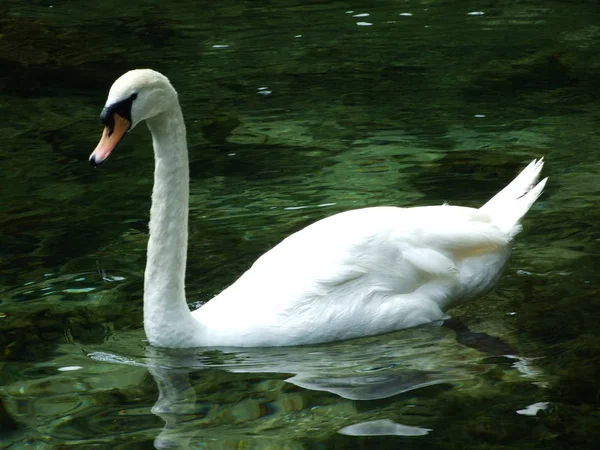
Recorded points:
(361, 242)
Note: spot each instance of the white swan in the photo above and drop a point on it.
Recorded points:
(357, 273)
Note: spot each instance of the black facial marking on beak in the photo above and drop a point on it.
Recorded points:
(93, 162)
(122, 108)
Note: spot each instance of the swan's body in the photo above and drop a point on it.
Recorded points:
(356, 273)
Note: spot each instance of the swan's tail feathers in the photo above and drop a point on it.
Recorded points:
(509, 205)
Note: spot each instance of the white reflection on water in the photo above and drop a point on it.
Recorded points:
(264, 398)
(532, 410)
(383, 427)
(361, 370)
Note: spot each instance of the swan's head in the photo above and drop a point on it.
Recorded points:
(136, 96)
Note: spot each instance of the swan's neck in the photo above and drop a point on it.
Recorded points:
(166, 314)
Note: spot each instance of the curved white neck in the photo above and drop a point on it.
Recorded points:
(167, 319)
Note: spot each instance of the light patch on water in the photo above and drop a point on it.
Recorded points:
(383, 427)
(114, 359)
(79, 290)
(533, 409)
(524, 366)
(69, 368)
(113, 278)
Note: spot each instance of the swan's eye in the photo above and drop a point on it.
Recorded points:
(122, 108)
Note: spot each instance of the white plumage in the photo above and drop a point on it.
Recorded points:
(357, 273)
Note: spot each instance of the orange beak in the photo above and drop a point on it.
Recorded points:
(109, 140)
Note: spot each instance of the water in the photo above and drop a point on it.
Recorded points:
(295, 111)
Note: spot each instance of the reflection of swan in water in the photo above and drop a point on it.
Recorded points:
(343, 370)
(365, 369)
(177, 403)
(177, 406)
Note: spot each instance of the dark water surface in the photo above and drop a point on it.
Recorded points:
(297, 110)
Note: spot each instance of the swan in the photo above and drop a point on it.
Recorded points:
(357, 273)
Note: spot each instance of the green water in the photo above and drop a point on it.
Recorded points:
(297, 110)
